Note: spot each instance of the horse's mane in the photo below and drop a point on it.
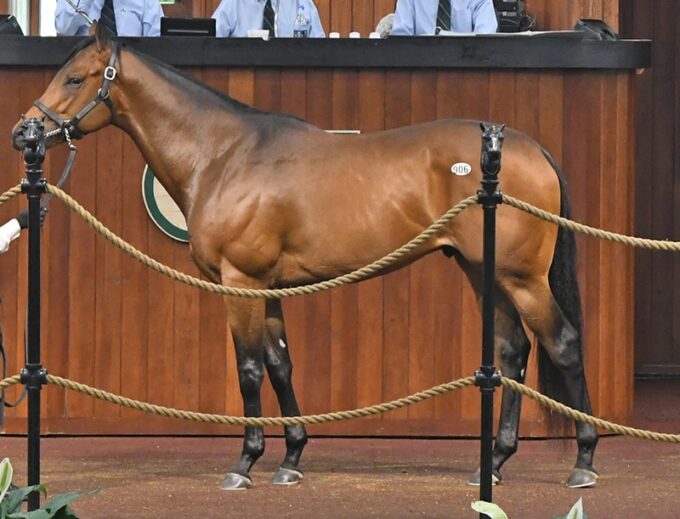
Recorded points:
(195, 87)
(198, 88)
(80, 46)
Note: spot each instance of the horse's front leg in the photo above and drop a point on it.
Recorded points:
(280, 369)
(246, 318)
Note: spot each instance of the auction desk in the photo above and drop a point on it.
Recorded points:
(111, 323)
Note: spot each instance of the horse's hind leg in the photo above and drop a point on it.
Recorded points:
(562, 342)
(512, 351)
(246, 318)
(280, 369)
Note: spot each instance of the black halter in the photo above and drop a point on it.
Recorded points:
(70, 126)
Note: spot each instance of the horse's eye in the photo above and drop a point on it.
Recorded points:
(74, 81)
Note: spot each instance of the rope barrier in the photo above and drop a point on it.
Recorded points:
(583, 417)
(352, 277)
(350, 414)
(643, 243)
(10, 193)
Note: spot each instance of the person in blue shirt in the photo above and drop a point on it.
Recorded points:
(422, 17)
(236, 17)
(133, 17)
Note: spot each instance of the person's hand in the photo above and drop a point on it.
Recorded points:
(22, 217)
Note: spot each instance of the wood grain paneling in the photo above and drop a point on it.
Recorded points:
(657, 275)
(112, 323)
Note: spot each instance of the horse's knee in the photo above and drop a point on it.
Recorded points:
(250, 375)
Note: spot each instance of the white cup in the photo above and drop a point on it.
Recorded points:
(334, 35)
(374, 36)
(354, 34)
(258, 33)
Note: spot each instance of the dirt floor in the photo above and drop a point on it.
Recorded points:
(361, 478)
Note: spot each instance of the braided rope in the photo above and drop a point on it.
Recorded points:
(643, 243)
(350, 414)
(352, 277)
(10, 193)
(583, 417)
(6, 382)
(280, 420)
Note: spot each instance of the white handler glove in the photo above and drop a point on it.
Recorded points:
(8, 232)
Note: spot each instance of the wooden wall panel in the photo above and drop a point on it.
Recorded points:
(657, 274)
(112, 323)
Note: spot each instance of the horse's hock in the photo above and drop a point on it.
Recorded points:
(357, 345)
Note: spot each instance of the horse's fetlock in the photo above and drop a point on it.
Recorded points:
(296, 436)
(254, 445)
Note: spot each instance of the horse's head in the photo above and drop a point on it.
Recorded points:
(77, 101)
(492, 145)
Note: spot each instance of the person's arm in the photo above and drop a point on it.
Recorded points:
(316, 30)
(69, 23)
(151, 18)
(484, 19)
(8, 232)
(404, 19)
(225, 19)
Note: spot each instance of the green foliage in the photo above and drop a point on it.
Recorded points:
(576, 511)
(495, 512)
(6, 472)
(10, 501)
(489, 509)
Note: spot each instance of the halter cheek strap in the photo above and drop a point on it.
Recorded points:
(70, 126)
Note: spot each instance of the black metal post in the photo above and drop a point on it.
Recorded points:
(33, 375)
(488, 378)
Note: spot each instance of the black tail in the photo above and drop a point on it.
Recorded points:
(564, 286)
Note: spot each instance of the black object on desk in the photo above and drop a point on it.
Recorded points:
(187, 26)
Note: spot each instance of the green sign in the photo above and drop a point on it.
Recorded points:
(162, 209)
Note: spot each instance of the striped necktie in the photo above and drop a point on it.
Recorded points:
(444, 15)
(268, 18)
(108, 18)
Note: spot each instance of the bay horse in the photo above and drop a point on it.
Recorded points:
(272, 201)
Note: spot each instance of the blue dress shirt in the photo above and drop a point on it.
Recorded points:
(414, 17)
(236, 17)
(133, 17)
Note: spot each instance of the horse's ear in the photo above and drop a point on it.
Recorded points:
(482, 126)
(100, 35)
(502, 127)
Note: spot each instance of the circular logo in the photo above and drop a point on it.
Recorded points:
(162, 209)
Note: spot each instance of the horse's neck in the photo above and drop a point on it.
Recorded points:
(165, 124)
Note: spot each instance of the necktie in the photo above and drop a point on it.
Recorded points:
(268, 19)
(444, 15)
(108, 18)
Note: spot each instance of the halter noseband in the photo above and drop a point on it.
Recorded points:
(70, 126)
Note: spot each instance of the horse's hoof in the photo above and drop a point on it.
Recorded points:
(475, 479)
(582, 478)
(287, 477)
(234, 481)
